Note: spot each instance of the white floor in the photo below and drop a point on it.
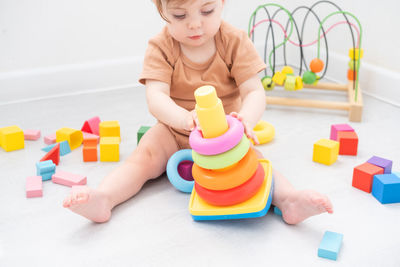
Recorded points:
(155, 227)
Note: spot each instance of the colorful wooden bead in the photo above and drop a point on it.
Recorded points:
(309, 77)
(279, 78)
(351, 75)
(316, 65)
(287, 70)
(299, 83)
(267, 83)
(290, 83)
(356, 54)
(352, 63)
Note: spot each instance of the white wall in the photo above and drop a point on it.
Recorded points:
(50, 47)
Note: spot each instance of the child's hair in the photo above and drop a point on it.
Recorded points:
(159, 5)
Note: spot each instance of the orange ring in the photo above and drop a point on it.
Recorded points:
(232, 177)
(234, 195)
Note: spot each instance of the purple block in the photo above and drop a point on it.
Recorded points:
(383, 163)
(335, 128)
(185, 170)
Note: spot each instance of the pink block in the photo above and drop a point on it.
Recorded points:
(31, 134)
(50, 139)
(94, 124)
(90, 136)
(335, 128)
(68, 179)
(34, 186)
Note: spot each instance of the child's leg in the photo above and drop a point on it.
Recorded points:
(148, 161)
(297, 205)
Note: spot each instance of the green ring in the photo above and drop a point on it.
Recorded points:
(225, 159)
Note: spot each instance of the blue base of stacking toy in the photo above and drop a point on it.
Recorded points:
(255, 207)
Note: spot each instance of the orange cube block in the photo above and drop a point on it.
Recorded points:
(348, 143)
(89, 153)
(90, 141)
(363, 176)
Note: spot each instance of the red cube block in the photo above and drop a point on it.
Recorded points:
(363, 176)
(348, 143)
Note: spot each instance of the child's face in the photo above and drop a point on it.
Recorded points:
(195, 22)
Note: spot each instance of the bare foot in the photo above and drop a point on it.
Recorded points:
(303, 204)
(89, 203)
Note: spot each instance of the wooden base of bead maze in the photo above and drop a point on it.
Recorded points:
(353, 107)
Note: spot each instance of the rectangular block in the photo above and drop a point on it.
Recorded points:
(45, 169)
(90, 141)
(109, 129)
(50, 139)
(381, 162)
(386, 188)
(363, 176)
(90, 136)
(31, 134)
(109, 149)
(89, 153)
(335, 128)
(68, 179)
(34, 186)
(330, 245)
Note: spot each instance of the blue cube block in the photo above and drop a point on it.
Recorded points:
(330, 245)
(386, 188)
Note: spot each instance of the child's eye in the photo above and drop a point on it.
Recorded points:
(208, 12)
(179, 16)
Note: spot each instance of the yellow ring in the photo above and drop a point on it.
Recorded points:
(264, 132)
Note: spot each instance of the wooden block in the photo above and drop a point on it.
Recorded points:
(91, 125)
(68, 179)
(31, 134)
(34, 186)
(330, 245)
(279, 78)
(290, 83)
(91, 141)
(109, 148)
(141, 132)
(386, 164)
(53, 154)
(12, 138)
(348, 143)
(363, 176)
(386, 188)
(335, 128)
(90, 136)
(89, 153)
(74, 137)
(109, 129)
(45, 169)
(50, 139)
(326, 151)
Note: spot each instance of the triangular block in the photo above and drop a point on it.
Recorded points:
(86, 127)
(53, 155)
(48, 148)
(64, 148)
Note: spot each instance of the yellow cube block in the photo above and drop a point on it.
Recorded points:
(351, 53)
(73, 136)
(326, 151)
(109, 129)
(109, 148)
(279, 78)
(12, 138)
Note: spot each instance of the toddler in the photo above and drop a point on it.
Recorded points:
(195, 48)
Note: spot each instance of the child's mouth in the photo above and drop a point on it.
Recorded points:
(195, 37)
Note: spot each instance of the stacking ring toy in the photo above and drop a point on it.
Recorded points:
(235, 195)
(220, 144)
(264, 131)
(225, 159)
(172, 170)
(218, 180)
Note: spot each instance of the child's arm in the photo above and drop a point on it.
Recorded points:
(253, 104)
(163, 108)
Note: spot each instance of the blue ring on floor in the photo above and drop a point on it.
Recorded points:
(172, 170)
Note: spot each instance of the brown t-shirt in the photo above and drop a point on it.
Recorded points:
(235, 61)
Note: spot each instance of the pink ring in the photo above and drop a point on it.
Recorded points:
(220, 144)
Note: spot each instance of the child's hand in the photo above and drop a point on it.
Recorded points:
(247, 129)
(191, 121)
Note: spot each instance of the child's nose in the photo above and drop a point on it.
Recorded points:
(195, 23)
